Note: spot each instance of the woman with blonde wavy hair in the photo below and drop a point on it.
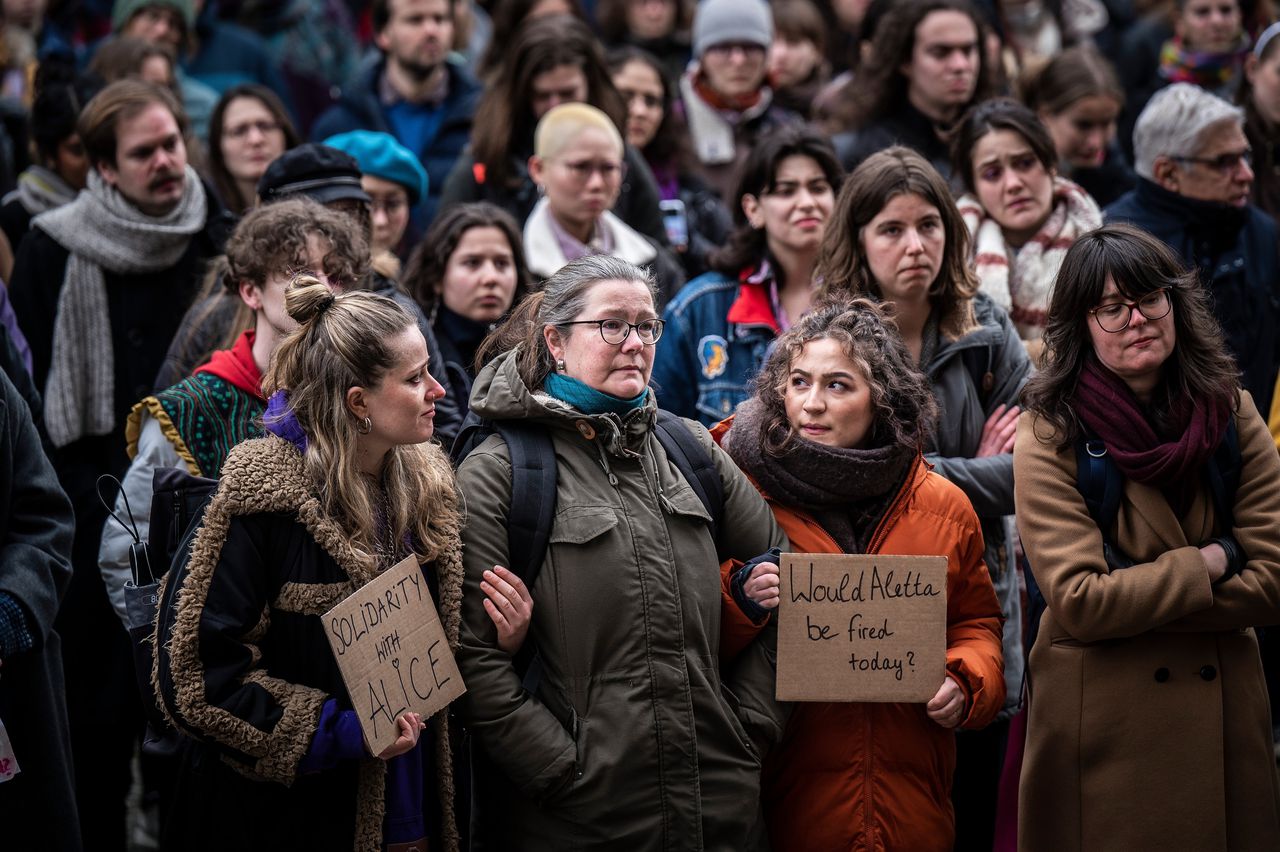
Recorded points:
(343, 486)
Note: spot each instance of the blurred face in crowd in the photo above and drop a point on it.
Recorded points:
(792, 61)
(1137, 353)
(151, 160)
(734, 69)
(70, 162)
(480, 277)
(1012, 184)
(390, 208)
(904, 245)
(621, 369)
(1082, 131)
(651, 19)
(641, 88)
(850, 13)
(251, 139)
(418, 35)
(1211, 26)
(581, 181)
(158, 70)
(564, 84)
(943, 73)
(1264, 76)
(1219, 171)
(24, 13)
(547, 8)
(828, 397)
(157, 25)
(795, 212)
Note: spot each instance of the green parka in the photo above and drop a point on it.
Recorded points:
(631, 740)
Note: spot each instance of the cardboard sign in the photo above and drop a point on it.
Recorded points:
(392, 652)
(861, 628)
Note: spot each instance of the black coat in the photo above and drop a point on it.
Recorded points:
(37, 808)
(1235, 251)
(905, 126)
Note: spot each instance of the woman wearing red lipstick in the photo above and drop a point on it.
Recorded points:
(896, 236)
(832, 438)
(1021, 215)
(1145, 670)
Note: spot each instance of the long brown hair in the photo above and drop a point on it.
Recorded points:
(842, 267)
(343, 342)
(1200, 367)
(226, 185)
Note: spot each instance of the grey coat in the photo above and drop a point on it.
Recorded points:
(631, 740)
(987, 482)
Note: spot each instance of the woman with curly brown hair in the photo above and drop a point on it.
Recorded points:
(896, 236)
(1148, 616)
(832, 438)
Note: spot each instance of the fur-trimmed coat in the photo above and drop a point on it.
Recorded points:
(243, 666)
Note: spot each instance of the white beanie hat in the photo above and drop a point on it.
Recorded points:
(740, 21)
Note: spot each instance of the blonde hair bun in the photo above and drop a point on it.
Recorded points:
(307, 298)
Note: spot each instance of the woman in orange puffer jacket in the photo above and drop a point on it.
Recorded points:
(832, 439)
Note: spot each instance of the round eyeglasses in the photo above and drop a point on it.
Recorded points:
(615, 331)
(1114, 318)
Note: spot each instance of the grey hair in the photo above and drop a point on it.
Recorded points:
(561, 298)
(1175, 122)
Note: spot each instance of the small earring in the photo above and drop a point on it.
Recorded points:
(559, 365)
(365, 426)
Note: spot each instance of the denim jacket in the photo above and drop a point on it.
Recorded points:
(718, 332)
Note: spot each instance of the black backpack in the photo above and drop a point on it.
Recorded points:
(533, 493)
(1101, 484)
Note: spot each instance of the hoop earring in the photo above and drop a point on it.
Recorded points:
(365, 426)
(560, 365)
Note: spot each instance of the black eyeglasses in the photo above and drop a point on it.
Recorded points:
(1223, 163)
(615, 331)
(1114, 318)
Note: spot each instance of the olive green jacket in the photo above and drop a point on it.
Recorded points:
(631, 740)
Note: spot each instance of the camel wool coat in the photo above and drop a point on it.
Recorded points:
(1149, 726)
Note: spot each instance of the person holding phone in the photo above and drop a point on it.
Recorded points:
(721, 325)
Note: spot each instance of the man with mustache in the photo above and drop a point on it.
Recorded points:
(99, 287)
(413, 93)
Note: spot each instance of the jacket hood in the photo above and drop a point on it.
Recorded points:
(500, 394)
(990, 331)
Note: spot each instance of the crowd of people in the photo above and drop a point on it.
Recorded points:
(595, 308)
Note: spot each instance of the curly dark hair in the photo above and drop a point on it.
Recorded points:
(1200, 366)
(842, 269)
(424, 274)
(272, 240)
(902, 398)
(880, 87)
(747, 245)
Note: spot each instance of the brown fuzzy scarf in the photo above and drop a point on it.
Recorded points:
(846, 490)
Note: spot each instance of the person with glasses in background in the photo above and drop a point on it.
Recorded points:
(1193, 192)
(578, 167)
(1148, 616)
(248, 130)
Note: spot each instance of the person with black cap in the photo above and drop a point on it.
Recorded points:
(331, 177)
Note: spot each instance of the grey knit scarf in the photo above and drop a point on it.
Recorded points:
(40, 190)
(103, 232)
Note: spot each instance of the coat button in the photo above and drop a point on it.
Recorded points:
(1162, 674)
(1208, 672)
(586, 430)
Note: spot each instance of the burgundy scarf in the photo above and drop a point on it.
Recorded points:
(1172, 462)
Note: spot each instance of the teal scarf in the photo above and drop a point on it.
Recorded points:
(587, 399)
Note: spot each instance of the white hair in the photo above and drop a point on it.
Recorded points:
(1175, 122)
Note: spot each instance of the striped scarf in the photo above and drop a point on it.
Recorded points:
(1021, 281)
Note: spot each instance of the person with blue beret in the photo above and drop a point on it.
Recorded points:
(394, 179)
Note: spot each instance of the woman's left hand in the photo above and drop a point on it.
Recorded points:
(947, 706)
(509, 606)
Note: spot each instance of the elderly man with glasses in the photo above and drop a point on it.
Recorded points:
(1194, 178)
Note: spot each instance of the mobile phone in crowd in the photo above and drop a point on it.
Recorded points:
(676, 222)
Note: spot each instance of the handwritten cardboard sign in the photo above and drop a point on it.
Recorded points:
(861, 628)
(392, 652)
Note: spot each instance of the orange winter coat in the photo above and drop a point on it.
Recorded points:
(878, 776)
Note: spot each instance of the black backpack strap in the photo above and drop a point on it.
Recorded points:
(1099, 482)
(695, 465)
(978, 363)
(1223, 475)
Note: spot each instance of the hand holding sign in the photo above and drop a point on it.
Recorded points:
(393, 655)
(862, 628)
